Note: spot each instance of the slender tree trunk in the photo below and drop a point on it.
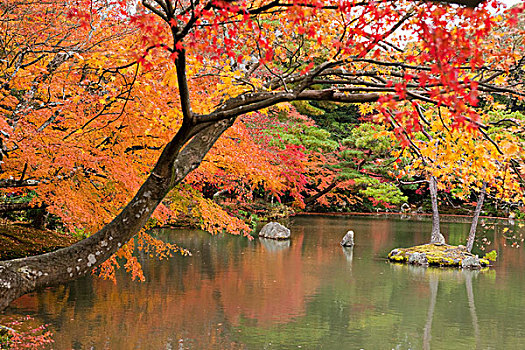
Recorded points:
(20, 276)
(473, 226)
(436, 236)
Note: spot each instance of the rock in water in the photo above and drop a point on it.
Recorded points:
(418, 259)
(275, 230)
(471, 262)
(348, 239)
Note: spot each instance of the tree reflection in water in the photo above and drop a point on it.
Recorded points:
(434, 275)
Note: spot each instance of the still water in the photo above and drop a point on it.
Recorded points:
(308, 293)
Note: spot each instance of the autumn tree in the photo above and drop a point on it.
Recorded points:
(177, 76)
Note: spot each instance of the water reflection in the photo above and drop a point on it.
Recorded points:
(434, 276)
(471, 304)
(274, 245)
(240, 294)
(433, 286)
(349, 254)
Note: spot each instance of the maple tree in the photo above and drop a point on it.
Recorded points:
(111, 100)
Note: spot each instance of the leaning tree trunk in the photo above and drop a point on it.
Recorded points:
(477, 211)
(20, 276)
(436, 236)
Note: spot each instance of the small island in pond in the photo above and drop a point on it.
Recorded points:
(440, 255)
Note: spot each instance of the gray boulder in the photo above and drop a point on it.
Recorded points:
(348, 239)
(274, 230)
(418, 259)
(394, 252)
(470, 262)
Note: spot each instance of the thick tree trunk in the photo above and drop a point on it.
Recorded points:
(21, 276)
(436, 236)
(477, 211)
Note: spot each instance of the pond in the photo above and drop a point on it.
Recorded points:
(309, 293)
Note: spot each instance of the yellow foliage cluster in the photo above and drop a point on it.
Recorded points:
(462, 160)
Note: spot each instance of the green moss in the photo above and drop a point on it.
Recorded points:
(492, 255)
(398, 258)
(304, 107)
(449, 262)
